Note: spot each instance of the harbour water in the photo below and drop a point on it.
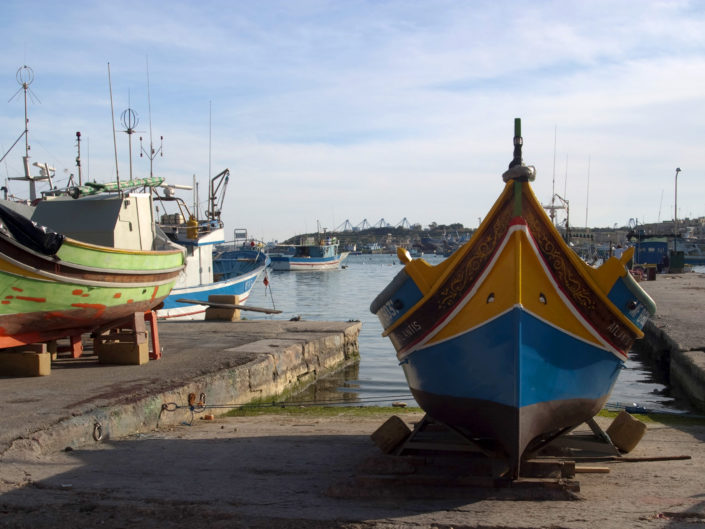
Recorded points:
(346, 294)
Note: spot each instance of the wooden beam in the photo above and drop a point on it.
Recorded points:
(228, 306)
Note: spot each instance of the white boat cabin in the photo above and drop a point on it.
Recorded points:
(125, 222)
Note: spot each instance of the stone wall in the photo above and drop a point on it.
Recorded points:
(684, 369)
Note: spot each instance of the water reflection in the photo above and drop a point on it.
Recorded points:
(336, 388)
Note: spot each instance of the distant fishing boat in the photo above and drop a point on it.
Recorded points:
(513, 340)
(693, 251)
(200, 237)
(239, 256)
(233, 262)
(312, 253)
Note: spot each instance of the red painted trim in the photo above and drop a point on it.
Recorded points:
(36, 300)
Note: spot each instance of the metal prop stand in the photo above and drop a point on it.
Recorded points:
(596, 442)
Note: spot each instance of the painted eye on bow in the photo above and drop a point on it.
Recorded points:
(632, 305)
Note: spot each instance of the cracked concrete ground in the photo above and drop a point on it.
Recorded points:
(279, 470)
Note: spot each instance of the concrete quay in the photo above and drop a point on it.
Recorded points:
(83, 401)
(675, 336)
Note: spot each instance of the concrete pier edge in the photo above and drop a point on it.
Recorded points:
(674, 339)
(278, 367)
(685, 369)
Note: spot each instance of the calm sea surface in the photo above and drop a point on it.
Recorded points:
(341, 295)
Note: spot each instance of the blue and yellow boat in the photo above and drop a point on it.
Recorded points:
(513, 340)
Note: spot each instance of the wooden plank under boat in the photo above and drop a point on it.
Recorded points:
(513, 339)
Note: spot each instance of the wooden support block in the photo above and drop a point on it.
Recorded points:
(391, 434)
(140, 328)
(225, 299)
(53, 349)
(75, 346)
(626, 431)
(123, 342)
(125, 353)
(25, 363)
(151, 318)
(548, 468)
(221, 314)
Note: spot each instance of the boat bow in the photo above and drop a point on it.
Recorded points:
(513, 339)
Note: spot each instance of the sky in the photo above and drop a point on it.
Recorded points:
(345, 110)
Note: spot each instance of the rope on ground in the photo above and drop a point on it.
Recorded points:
(200, 406)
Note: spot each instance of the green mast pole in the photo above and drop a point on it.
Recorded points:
(517, 161)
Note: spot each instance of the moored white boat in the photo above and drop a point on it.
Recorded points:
(311, 254)
(201, 237)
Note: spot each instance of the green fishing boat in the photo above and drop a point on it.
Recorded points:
(53, 285)
(81, 258)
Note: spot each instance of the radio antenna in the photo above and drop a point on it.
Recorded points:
(152, 153)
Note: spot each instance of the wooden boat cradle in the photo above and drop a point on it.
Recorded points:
(438, 460)
(132, 329)
(434, 435)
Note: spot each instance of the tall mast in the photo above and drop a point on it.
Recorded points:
(553, 185)
(675, 212)
(149, 108)
(78, 158)
(112, 114)
(587, 194)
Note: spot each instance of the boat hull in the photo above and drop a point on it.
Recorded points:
(512, 380)
(298, 264)
(234, 286)
(80, 288)
(42, 326)
(513, 339)
(232, 263)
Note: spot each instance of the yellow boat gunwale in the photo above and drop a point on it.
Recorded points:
(448, 266)
(108, 249)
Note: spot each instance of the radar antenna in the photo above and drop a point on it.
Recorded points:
(129, 120)
(25, 77)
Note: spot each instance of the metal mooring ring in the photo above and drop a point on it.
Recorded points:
(98, 431)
